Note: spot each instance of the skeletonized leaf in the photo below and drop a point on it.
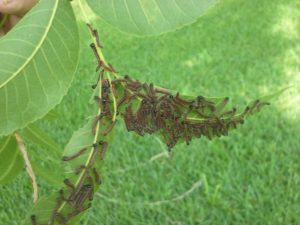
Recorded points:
(150, 17)
(11, 162)
(38, 59)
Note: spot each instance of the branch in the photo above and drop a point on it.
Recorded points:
(195, 186)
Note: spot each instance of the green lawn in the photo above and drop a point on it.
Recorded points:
(241, 49)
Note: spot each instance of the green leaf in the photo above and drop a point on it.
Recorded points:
(38, 60)
(38, 137)
(150, 17)
(46, 161)
(276, 94)
(11, 161)
(52, 115)
(81, 138)
(52, 175)
(42, 210)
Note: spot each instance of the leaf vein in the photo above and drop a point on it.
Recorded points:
(3, 175)
(5, 144)
(36, 50)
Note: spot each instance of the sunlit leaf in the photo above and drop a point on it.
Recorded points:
(38, 61)
(150, 17)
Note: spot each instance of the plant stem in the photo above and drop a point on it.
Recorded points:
(99, 52)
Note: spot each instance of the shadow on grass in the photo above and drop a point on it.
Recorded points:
(240, 49)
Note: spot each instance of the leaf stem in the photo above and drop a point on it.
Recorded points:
(99, 52)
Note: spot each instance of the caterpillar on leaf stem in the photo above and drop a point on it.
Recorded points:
(169, 115)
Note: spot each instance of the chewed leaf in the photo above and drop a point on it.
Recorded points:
(176, 118)
(150, 17)
(66, 205)
(83, 156)
(38, 60)
(275, 94)
(11, 162)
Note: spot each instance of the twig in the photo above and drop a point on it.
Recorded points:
(142, 164)
(165, 201)
(29, 169)
(180, 197)
(160, 155)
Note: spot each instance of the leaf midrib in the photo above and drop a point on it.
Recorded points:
(36, 49)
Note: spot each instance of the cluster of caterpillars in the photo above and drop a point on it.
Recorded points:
(176, 117)
(78, 197)
(145, 108)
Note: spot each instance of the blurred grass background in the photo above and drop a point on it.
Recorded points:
(241, 49)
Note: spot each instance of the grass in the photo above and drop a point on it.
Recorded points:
(241, 49)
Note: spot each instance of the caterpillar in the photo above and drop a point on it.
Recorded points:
(169, 114)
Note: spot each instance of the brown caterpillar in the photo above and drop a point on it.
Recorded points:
(169, 114)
